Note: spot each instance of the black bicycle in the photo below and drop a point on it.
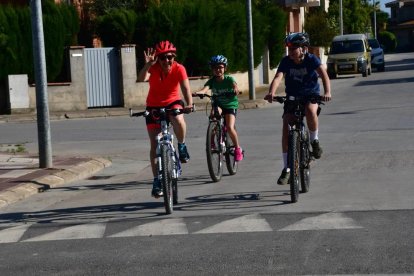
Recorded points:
(169, 165)
(218, 141)
(299, 148)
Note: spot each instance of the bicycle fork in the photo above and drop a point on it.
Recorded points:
(223, 139)
(176, 164)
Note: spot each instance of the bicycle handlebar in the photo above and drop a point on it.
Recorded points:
(138, 114)
(174, 111)
(222, 95)
(313, 99)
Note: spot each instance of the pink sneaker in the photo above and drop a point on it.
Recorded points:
(238, 154)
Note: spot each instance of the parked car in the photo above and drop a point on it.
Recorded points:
(349, 54)
(377, 55)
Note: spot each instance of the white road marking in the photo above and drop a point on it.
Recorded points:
(24, 160)
(13, 234)
(83, 231)
(177, 226)
(248, 223)
(323, 222)
(157, 228)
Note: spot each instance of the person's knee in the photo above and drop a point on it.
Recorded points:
(231, 128)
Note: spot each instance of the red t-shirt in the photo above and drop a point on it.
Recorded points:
(165, 89)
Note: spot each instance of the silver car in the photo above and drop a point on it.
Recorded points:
(377, 55)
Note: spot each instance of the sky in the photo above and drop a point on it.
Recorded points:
(382, 4)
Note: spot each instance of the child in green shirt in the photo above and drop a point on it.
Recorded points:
(221, 84)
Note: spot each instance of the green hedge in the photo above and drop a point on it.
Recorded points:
(60, 24)
(200, 29)
(388, 40)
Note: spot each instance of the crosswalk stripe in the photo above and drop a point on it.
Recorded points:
(323, 222)
(13, 234)
(83, 231)
(177, 226)
(248, 223)
(174, 226)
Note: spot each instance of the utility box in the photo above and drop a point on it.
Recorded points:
(18, 89)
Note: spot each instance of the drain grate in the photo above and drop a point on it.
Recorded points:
(100, 177)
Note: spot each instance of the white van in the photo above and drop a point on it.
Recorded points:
(349, 54)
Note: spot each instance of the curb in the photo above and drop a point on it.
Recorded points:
(65, 176)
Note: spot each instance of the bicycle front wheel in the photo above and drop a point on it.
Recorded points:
(213, 151)
(293, 154)
(167, 178)
(231, 164)
(305, 162)
(175, 190)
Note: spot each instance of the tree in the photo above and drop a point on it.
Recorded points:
(318, 26)
(117, 27)
(355, 13)
(16, 38)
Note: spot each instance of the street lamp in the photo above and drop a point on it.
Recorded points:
(341, 21)
(375, 18)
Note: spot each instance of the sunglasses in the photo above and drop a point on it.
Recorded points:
(165, 57)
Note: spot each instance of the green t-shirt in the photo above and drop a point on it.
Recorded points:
(225, 86)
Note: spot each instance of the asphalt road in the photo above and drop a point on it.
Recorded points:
(356, 219)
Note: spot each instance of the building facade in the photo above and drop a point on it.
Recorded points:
(402, 24)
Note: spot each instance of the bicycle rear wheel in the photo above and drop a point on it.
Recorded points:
(166, 177)
(213, 151)
(293, 154)
(231, 164)
(305, 162)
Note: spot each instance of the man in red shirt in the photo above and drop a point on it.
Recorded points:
(166, 77)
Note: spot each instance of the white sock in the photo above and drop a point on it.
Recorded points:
(285, 161)
(314, 135)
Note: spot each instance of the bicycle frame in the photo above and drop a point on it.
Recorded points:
(165, 137)
(299, 156)
(168, 163)
(218, 142)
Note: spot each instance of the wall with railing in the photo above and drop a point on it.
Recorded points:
(72, 96)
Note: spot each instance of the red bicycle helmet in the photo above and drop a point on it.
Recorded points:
(164, 47)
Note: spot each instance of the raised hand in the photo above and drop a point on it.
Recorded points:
(150, 56)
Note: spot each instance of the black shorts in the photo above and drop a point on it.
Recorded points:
(290, 107)
(225, 111)
(151, 121)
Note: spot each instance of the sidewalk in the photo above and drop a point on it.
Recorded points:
(21, 177)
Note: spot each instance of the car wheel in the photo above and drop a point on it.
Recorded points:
(365, 73)
(381, 68)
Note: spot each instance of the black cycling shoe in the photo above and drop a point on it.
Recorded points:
(316, 149)
(156, 188)
(284, 177)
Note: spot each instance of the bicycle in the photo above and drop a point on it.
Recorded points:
(299, 148)
(218, 141)
(169, 165)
